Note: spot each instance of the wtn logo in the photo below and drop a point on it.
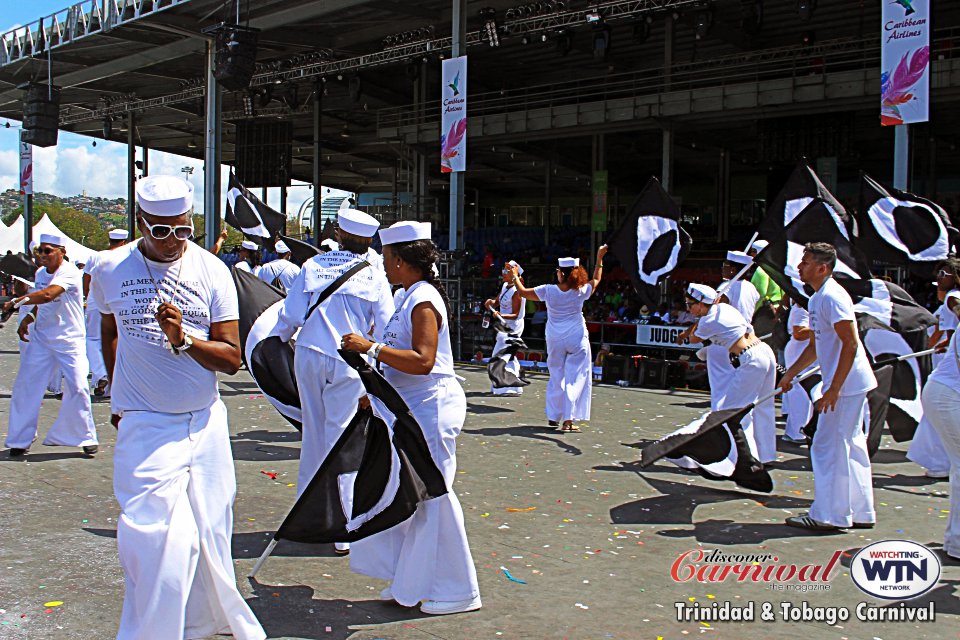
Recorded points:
(895, 569)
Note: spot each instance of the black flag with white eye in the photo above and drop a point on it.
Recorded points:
(818, 222)
(900, 228)
(881, 344)
(247, 213)
(650, 243)
(300, 251)
(500, 376)
(801, 189)
(268, 358)
(715, 446)
(889, 305)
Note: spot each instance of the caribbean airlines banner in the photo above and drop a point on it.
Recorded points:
(26, 168)
(905, 62)
(453, 123)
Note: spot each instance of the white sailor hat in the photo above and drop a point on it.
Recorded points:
(118, 234)
(702, 293)
(513, 263)
(249, 245)
(759, 245)
(164, 196)
(357, 222)
(51, 238)
(281, 247)
(405, 231)
(568, 262)
(739, 257)
(330, 244)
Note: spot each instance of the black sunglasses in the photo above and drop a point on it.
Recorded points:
(46, 250)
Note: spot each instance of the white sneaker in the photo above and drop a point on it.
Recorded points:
(386, 595)
(442, 607)
(342, 548)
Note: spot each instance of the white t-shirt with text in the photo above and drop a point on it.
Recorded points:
(828, 306)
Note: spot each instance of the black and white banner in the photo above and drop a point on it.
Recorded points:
(251, 216)
(802, 188)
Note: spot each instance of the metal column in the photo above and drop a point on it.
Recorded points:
(459, 30)
(145, 152)
(131, 174)
(666, 171)
(317, 168)
(901, 156)
(211, 156)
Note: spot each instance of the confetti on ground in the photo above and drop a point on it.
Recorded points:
(506, 572)
(516, 510)
(53, 603)
(270, 474)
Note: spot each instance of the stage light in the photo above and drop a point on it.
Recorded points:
(805, 8)
(524, 39)
(107, 127)
(248, 105)
(489, 17)
(564, 42)
(593, 17)
(807, 38)
(702, 24)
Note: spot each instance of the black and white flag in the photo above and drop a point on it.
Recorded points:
(385, 469)
(716, 446)
(651, 243)
(801, 189)
(268, 358)
(500, 376)
(889, 305)
(900, 228)
(246, 212)
(300, 251)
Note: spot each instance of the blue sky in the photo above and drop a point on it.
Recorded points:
(75, 165)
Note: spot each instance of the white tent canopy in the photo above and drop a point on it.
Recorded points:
(11, 238)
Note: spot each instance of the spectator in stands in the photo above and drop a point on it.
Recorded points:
(663, 314)
(486, 270)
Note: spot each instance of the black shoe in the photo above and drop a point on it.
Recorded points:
(861, 525)
(91, 450)
(17, 453)
(101, 388)
(553, 423)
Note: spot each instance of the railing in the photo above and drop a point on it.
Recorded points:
(788, 62)
(76, 22)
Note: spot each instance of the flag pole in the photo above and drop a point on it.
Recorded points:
(756, 234)
(263, 558)
(726, 285)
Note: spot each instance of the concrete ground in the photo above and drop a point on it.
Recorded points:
(590, 535)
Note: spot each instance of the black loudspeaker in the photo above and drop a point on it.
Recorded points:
(41, 115)
(264, 153)
(614, 368)
(235, 57)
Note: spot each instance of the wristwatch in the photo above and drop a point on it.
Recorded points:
(187, 343)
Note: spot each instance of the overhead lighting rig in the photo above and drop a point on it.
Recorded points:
(490, 26)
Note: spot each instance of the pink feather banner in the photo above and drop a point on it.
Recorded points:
(905, 63)
(453, 121)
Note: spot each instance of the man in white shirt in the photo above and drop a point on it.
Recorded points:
(740, 294)
(843, 482)
(330, 389)
(169, 324)
(54, 328)
(280, 272)
(98, 370)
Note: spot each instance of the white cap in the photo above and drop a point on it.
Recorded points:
(118, 234)
(249, 245)
(50, 238)
(34, 244)
(702, 293)
(357, 222)
(739, 257)
(569, 262)
(330, 244)
(406, 231)
(759, 245)
(513, 263)
(164, 196)
(281, 247)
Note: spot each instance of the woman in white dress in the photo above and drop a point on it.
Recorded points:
(568, 343)
(755, 365)
(798, 410)
(426, 557)
(510, 308)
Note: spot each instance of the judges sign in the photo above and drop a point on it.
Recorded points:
(661, 336)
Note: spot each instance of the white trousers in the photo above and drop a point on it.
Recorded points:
(795, 406)
(174, 480)
(74, 424)
(719, 374)
(941, 405)
(926, 448)
(98, 369)
(329, 391)
(842, 476)
(427, 557)
(755, 377)
(513, 367)
(571, 368)
(54, 384)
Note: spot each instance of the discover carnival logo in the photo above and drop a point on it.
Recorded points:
(895, 569)
(714, 565)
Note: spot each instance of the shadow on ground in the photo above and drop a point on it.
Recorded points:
(256, 446)
(535, 432)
